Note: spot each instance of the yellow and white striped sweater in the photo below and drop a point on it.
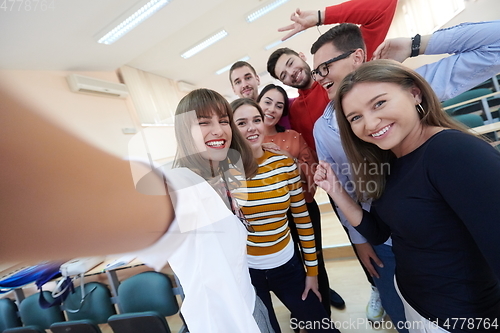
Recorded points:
(265, 200)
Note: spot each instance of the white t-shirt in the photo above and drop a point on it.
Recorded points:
(206, 248)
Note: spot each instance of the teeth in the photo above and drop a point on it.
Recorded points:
(382, 131)
(328, 85)
(252, 137)
(215, 143)
(269, 116)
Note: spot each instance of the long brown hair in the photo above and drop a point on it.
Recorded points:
(205, 102)
(370, 165)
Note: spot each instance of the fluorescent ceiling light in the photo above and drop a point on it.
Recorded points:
(225, 69)
(278, 42)
(270, 46)
(264, 10)
(132, 21)
(203, 45)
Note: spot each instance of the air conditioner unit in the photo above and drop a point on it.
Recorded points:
(85, 84)
(185, 86)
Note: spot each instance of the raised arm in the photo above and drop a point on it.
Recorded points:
(62, 198)
(374, 18)
(475, 56)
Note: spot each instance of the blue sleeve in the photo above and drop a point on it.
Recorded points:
(475, 49)
(465, 171)
(327, 144)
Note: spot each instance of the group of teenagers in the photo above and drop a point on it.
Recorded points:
(236, 218)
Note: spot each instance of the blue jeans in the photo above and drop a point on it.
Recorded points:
(287, 282)
(385, 285)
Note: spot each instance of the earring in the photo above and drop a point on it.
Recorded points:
(420, 110)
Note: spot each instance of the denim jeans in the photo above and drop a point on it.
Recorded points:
(385, 284)
(287, 282)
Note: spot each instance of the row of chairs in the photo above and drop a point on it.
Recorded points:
(477, 107)
(144, 300)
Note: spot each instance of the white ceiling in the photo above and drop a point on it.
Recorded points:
(62, 37)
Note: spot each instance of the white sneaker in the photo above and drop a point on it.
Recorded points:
(374, 309)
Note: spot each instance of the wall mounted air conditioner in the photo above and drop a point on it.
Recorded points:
(85, 84)
(185, 86)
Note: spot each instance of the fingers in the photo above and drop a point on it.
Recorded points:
(290, 34)
(318, 294)
(377, 261)
(286, 28)
(378, 51)
(304, 294)
(369, 267)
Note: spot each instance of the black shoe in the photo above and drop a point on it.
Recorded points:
(336, 300)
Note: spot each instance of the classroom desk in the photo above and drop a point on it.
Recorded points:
(9, 269)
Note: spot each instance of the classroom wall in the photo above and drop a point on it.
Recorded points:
(97, 119)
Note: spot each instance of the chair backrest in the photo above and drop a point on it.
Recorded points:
(465, 96)
(33, 314)
(470, 120)
(25, 329)
(139, 322)
(147, 291)
(75, 326)
(8, 314)
(96, 305)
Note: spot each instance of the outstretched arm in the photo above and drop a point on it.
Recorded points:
(475, 56)
(374, 18)
(62, 198)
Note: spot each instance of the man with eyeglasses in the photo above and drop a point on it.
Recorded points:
(290, 68)
(341, 50)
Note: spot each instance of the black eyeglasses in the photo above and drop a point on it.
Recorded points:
(323, 70)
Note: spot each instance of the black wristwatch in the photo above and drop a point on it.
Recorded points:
(415, 46)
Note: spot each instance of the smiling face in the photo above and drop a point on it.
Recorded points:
(272, 104)
(249, 121)
(293, 71)
(245, 83)
(337, 70)
(212, 136)
(384, 114)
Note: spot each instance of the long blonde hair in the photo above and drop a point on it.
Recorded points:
(204, 102)
(364, 156)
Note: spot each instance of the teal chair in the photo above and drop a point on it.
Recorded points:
(75, 326)
(480, 105)
(32, 313)
(95, 305)
(144, 299)
(470, 120)
(8, 314)
(25, 329)
(85, 311)
(468, 95)
(139, 322)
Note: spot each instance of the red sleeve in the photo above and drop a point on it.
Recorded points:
(375, 18)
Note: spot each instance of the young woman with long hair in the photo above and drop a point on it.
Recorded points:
(265, 199)
(435, 192)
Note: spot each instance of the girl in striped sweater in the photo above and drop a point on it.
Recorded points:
(265, 200)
